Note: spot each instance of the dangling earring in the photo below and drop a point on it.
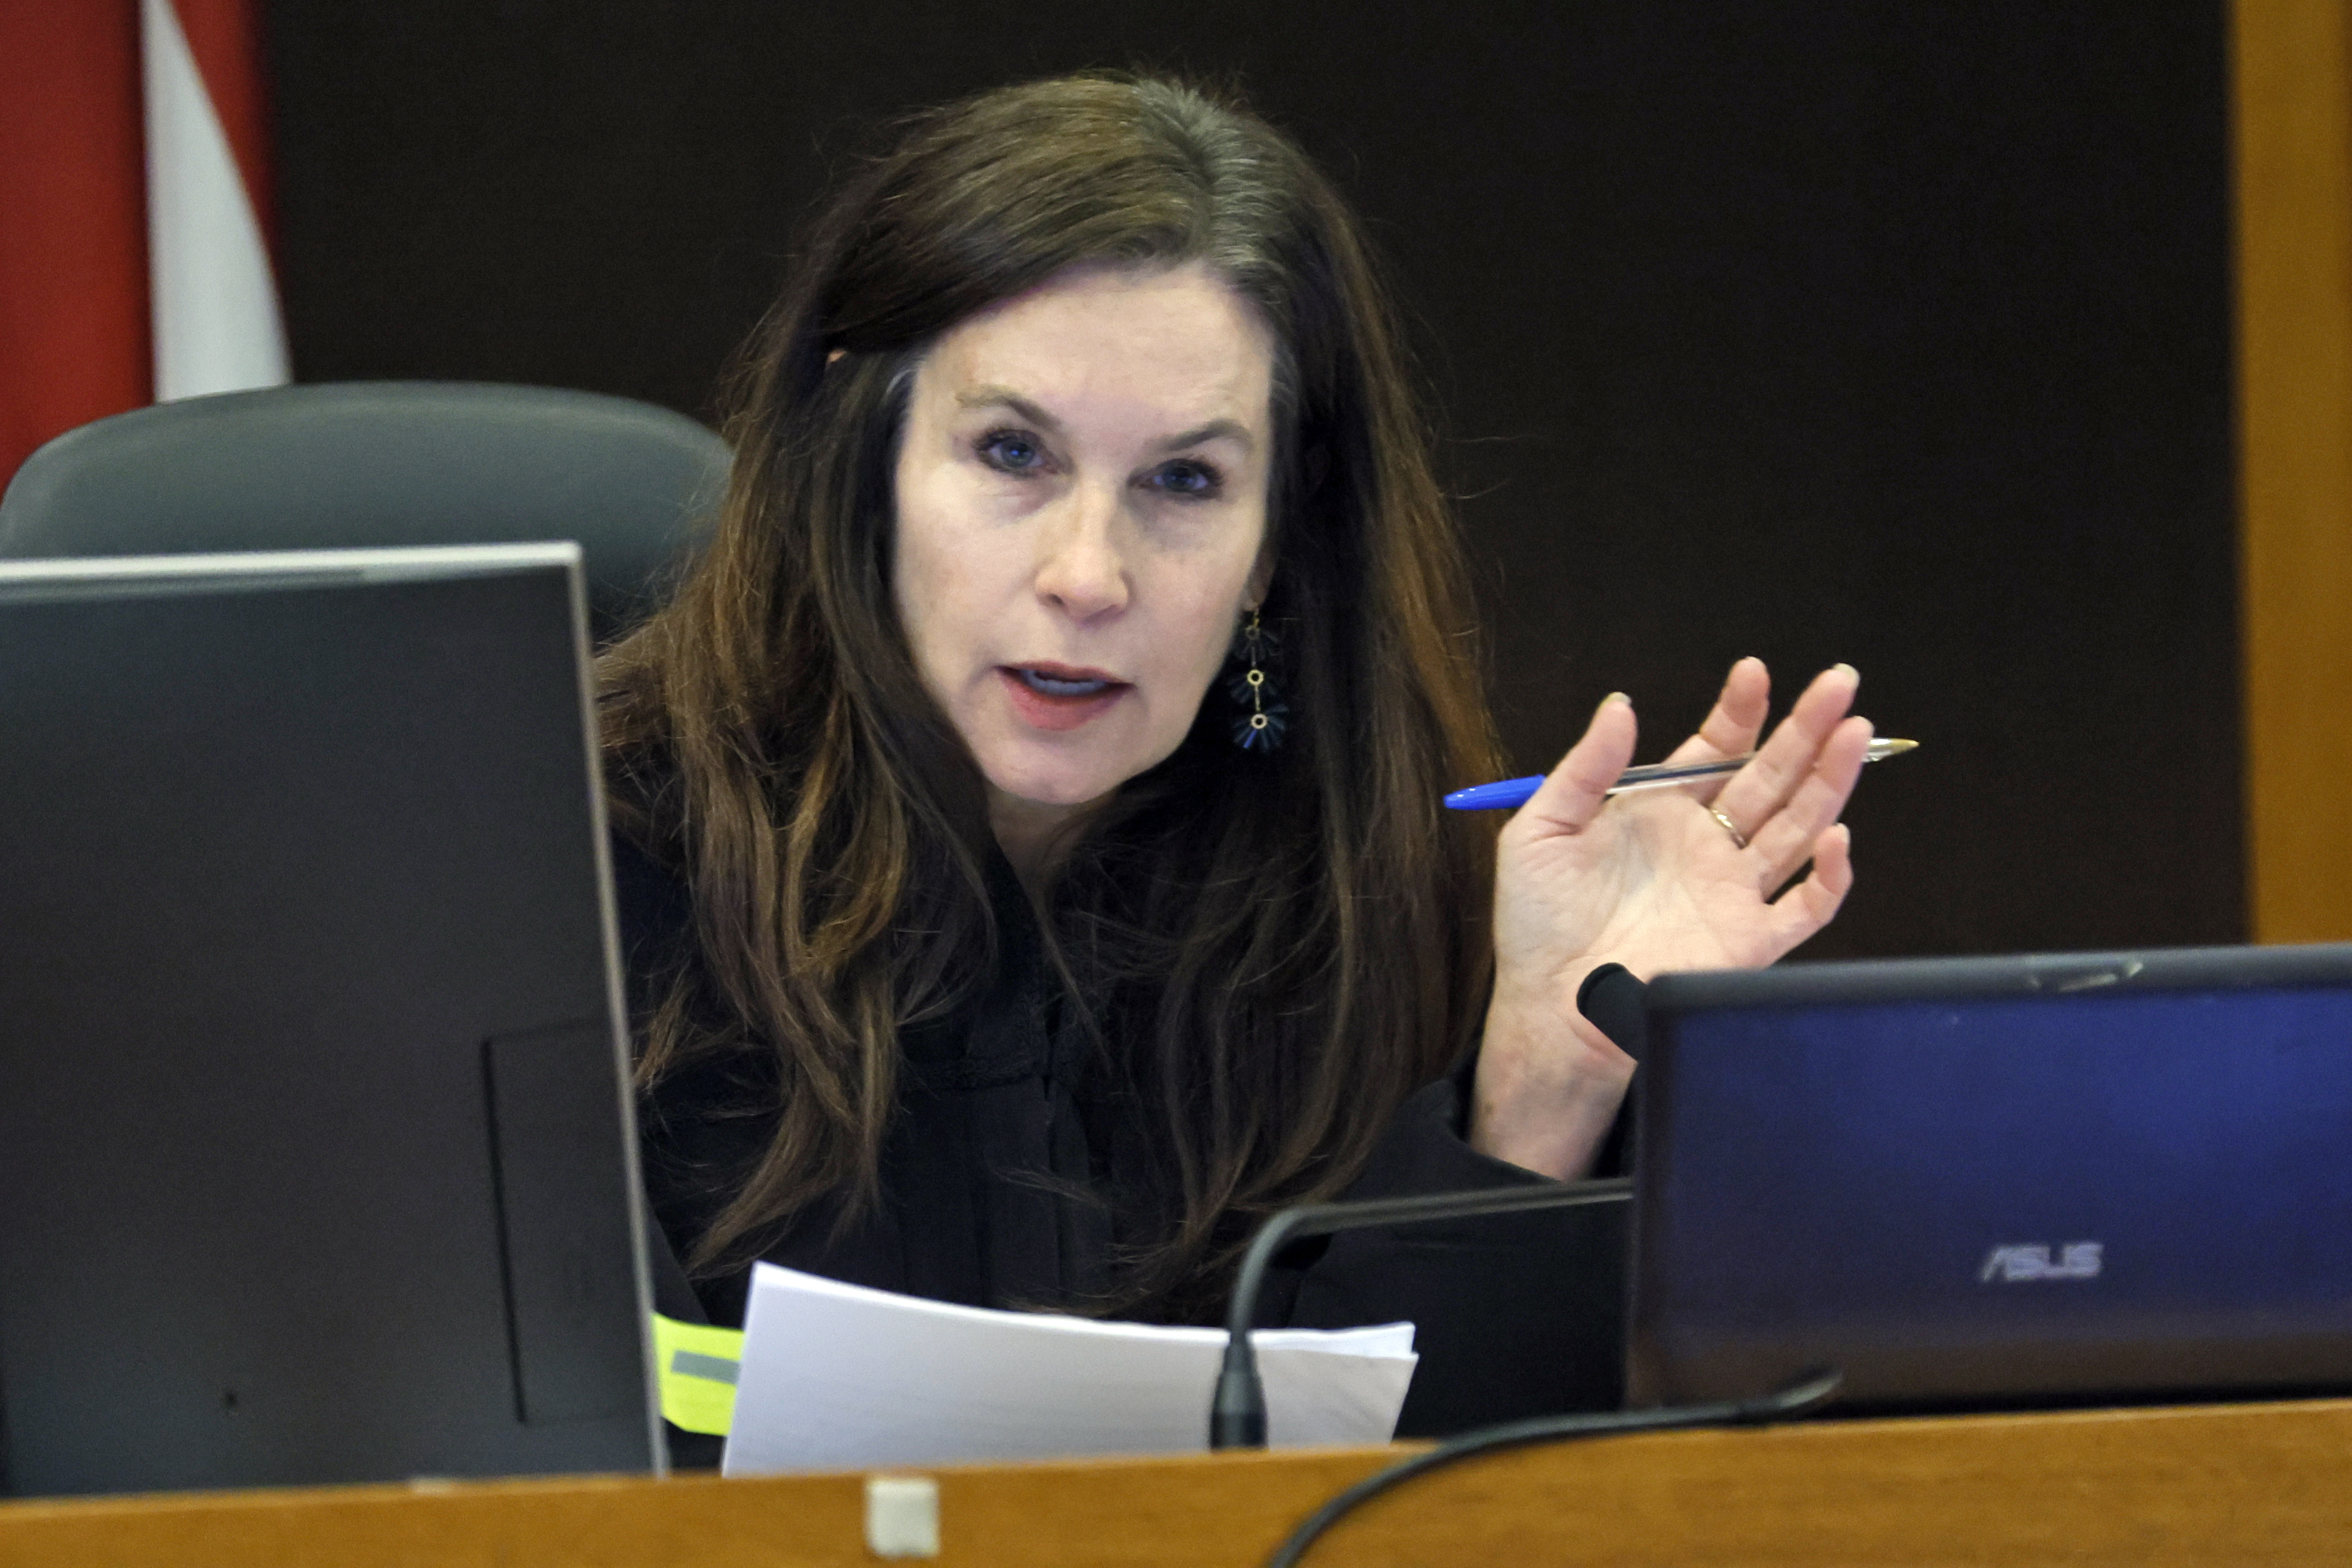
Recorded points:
(1261, 728)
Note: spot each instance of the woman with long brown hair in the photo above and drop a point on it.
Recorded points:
(1031, 861)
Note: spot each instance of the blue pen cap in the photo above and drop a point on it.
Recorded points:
(1506, 794)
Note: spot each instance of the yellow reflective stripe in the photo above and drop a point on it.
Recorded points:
(698, 1364)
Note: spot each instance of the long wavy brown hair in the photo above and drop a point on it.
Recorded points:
(1274, 948)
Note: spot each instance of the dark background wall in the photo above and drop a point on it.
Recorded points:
(1897, 334)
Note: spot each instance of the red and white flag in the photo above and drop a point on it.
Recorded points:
(216, 304)
(135, 211)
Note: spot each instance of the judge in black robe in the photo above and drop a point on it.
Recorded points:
(997, 1171)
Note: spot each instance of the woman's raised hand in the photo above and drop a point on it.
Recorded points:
(1659, 879)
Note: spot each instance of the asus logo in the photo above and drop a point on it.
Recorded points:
(2076, 1260)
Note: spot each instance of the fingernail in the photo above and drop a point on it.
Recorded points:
(1849, 669)
(1616, 697)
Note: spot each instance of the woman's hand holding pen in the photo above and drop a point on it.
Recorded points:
(1668, 878)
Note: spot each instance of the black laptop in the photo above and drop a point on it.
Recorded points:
(1977, 1183)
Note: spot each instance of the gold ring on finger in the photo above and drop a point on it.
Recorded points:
(1739, 839)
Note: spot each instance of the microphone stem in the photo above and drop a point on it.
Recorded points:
(1237, 1414)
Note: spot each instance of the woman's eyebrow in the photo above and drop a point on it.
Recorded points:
(1214, 430)
(1005, 397)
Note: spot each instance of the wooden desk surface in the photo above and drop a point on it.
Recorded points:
(2214, 1484)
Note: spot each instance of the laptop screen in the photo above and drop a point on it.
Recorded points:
(1982, 1198)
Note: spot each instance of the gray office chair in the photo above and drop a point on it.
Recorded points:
(382, 463)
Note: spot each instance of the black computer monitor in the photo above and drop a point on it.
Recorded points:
(316, 1161)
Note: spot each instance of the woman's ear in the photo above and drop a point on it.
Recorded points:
(1261, 577)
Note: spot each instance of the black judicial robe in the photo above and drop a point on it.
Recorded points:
(991, 1172)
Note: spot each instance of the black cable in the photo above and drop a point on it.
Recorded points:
(1546, 1429)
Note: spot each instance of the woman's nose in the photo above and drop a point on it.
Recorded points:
(1080, 568)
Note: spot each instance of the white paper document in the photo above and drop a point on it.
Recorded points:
(840, 1377)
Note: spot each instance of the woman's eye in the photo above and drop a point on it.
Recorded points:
(1012, 451)
(1188, 478)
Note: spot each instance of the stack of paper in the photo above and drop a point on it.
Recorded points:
(840, 1377)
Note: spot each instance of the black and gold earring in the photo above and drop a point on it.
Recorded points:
(1261, 727)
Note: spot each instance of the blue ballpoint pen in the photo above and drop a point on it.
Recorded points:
(1511, 793)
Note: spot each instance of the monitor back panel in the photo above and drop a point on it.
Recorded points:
(1989, 1181)
(312, 1154)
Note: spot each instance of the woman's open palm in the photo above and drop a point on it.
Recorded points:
(1680, 877)
(1652, 879)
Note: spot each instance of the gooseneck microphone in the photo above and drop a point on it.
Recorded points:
(1237, 1414)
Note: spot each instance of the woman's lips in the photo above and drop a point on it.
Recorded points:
(1054, 697)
